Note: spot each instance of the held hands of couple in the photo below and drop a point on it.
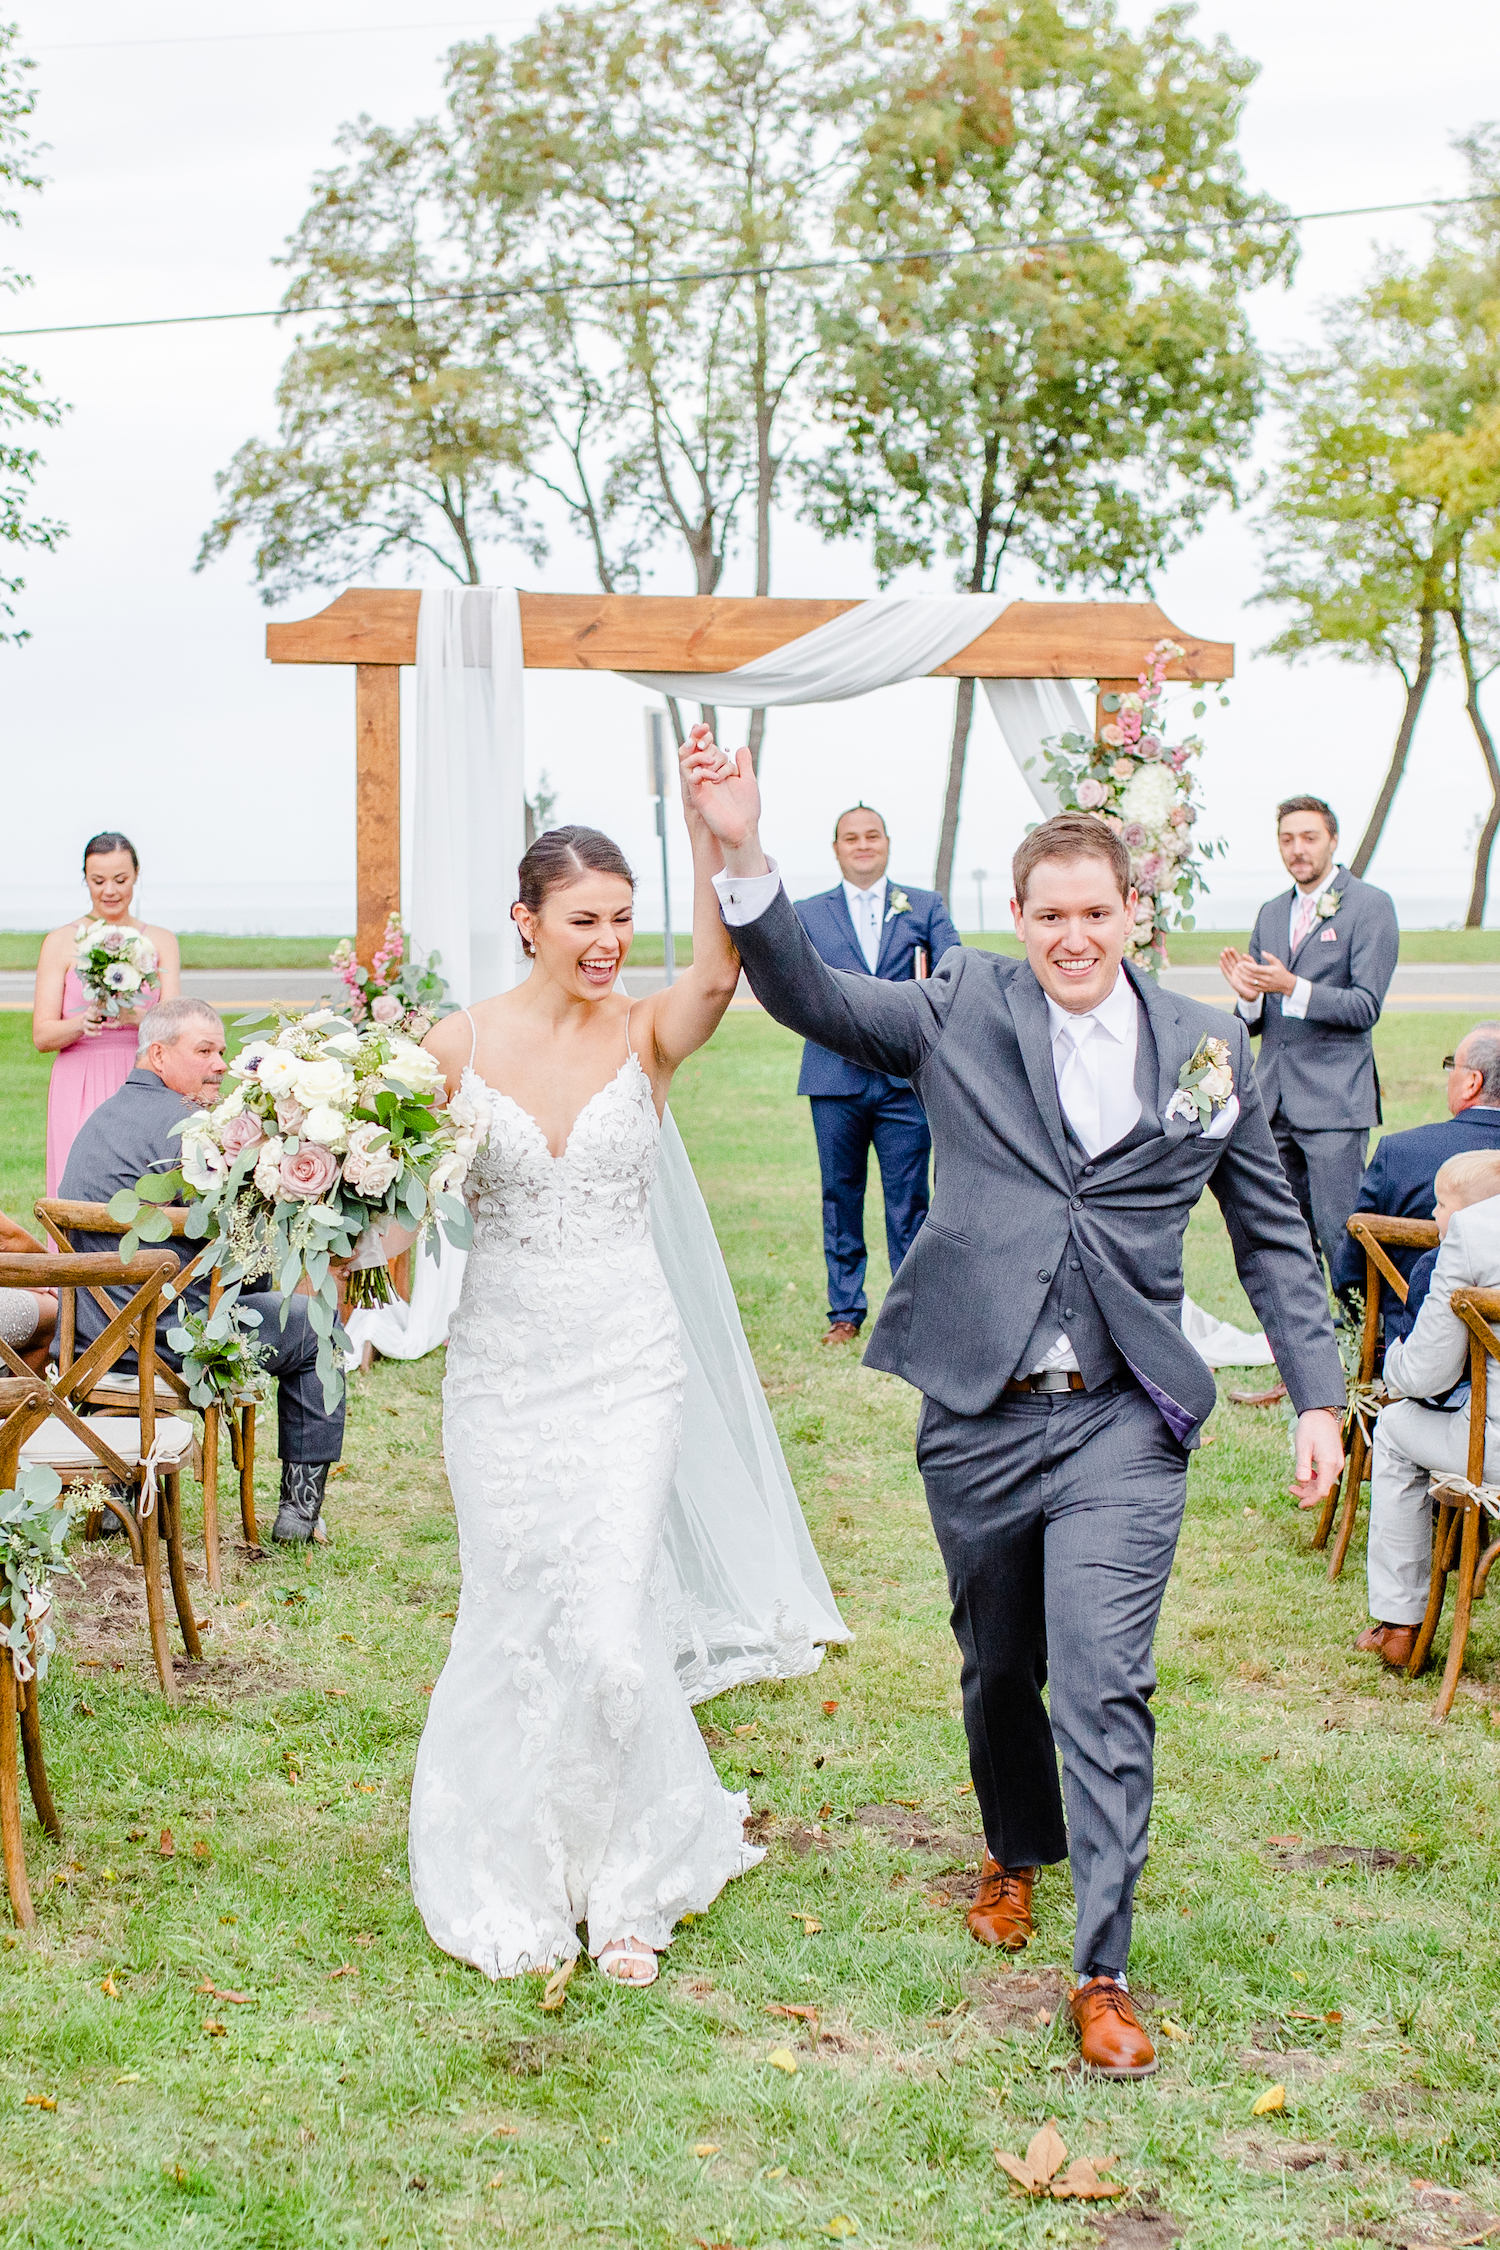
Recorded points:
(1320, 1454)
(723, 793)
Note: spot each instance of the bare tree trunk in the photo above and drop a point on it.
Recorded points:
(1416, 689)
(963, 712)
(765, 474)
(1474, 920)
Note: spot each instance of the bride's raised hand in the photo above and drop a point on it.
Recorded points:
(720, 790)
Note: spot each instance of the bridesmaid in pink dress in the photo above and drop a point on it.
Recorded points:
(95, 1055)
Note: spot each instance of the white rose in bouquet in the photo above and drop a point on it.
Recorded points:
(1149, 795)
(230, 1106)
(448, 1175)
(272, 1067)
(472, 1120)
(203, 1162)
(326, 1125)
(370, 1165)
(317, 1083)
(409, 1066)
(268, 1168)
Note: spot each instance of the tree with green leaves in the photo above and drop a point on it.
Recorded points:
(24, 404)
(697, 150)
(403, 428)
(1384, 497)
(1051, 363)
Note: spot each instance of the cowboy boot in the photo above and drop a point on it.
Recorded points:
(302, 1487)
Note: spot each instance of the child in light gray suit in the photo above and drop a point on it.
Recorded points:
(1414, 1440)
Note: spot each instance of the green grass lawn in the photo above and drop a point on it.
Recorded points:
(250, 2041)
(208, 949)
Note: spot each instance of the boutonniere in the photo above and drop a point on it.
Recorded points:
(899, 903)
(1205, 1083)
(1329, 904)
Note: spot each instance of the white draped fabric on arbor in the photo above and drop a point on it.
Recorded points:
(468, 811)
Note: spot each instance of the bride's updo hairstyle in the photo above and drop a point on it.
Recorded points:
(559, 858)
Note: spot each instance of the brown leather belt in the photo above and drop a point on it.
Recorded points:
(1055, 1379)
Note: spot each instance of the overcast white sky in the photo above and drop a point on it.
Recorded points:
(180, 158)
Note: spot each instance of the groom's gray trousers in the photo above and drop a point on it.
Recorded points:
(1057, 1515)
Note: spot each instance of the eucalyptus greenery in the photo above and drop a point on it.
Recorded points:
(35, 1520)
(221, 1359)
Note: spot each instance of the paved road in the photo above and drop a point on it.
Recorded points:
(1460, 989)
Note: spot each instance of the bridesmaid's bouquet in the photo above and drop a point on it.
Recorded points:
(113, 962)
(326, 1135)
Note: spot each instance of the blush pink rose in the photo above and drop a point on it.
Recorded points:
(308, 1174)
(290, 1115)
(387, 1008)
(1092, 793)
(240, 1133)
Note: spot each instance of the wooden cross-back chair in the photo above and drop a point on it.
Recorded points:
(47, 1423)
(1466, 1506)
(1372, 1232)
(61, 1219)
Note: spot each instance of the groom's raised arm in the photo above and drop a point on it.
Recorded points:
(886, 1027)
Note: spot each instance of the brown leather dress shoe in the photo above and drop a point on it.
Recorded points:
(1392, 1643)
(1112, 2040)
(840, 1332)
(1272, 1397)
(1001, 1914)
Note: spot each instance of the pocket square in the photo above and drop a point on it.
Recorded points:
(1329, 937)
(1224, 1123)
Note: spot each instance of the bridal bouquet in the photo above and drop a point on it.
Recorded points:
(400, 989)
(113, 962)
(1144, 790)
(325, 1135)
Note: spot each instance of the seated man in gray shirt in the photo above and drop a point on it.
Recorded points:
(179, 1067)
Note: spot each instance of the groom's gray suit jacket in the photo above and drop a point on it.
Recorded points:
(1016, 1200)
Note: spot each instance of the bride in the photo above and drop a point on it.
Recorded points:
(561, 1775)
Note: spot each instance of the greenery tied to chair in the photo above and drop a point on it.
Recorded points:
(222, 1363)
(35, 1520)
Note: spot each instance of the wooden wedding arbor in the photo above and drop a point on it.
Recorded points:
(376, 632)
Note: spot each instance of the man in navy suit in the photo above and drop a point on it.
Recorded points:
(868, 926)
(1400, 1180)
(1311, 989)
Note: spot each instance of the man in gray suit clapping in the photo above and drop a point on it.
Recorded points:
(1077, 1113)
(1311, 988)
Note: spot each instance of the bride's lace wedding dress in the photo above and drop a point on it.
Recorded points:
(561, 1775)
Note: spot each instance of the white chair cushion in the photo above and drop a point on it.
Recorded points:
(55, 1445)
(128, 1385)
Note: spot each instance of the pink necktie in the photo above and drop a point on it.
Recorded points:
(1302, 920)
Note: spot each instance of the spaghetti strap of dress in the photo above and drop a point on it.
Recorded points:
(473, 1039)
(629, 1050)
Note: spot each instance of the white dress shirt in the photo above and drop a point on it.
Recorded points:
(1304, 914)
(744, 898)
(867, 913)
(1093, 1058)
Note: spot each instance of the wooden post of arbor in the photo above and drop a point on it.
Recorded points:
(376, 631)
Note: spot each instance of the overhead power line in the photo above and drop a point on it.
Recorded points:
(914, 255)
(300, 31)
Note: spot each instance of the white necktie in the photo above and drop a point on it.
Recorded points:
(1302, 920)
(1078, 1083)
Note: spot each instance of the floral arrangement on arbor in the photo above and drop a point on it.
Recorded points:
(325, 1135)
(35, 1520)
(113, 962)
(1144, 789)
(400, 989)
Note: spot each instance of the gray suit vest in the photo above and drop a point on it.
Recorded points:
(1070, 1307)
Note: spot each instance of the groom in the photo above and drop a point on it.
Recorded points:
(1038, 1311)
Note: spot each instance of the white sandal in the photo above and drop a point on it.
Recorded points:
(628, 1960)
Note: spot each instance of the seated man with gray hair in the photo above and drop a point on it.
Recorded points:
(1400, 1178)
(179, 1067)
(1415, 1438)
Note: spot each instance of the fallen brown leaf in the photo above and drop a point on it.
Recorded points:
(791, 2008)
(40, 2101)
(556, 1990)
(825, 1812)
(1046, 2153)
(830, 1707)
(166, 1847)
(200, 1847)
(1273, 2098)
(110, 1989)
(706, 2148)
(1081, 2181)
(214, 2028)
(742, 1732)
